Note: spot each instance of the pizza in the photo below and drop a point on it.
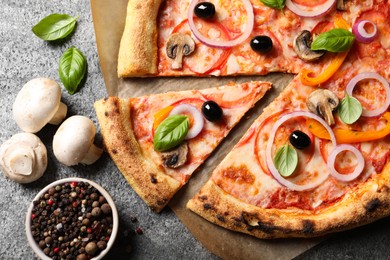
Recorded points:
(316, 161)
(226, 44)
(158, 141)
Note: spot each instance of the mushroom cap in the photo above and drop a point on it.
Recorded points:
(36, 103)
(301, 46)
(323, 102)
(179, 42)
(23, 158)
(73, 139)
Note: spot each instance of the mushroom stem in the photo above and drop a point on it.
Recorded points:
(92, 155)
(178, 61)
(59, 115)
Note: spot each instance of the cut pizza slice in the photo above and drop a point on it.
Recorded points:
(294, 175)
(158, 141)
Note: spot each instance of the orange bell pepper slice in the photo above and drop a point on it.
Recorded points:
(347, 136)
(305, 74)
(161, 115)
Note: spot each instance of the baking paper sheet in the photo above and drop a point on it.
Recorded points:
(109, 18)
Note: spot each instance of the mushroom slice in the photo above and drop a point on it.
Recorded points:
(73, 142)
(179, 44)
(302, 45)
(323, 102)
(38, 103)
(176, 157)
(23, 158)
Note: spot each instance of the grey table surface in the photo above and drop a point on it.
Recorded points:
(23, 56)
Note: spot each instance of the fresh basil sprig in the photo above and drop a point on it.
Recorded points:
(72, 68)
(276, 4)
(335, 40)
(286, 160)
(349, 109)
(171, 132)
(54, 27)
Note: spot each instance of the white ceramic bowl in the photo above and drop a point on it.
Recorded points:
(108, 198)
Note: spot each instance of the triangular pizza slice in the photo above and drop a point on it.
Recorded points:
(304, 168)
(158, 141)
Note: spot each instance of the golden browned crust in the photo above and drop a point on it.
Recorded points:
(138, 46)
(364, 204)
(152, 185)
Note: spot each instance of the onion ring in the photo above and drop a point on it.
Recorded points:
(271, 166)
(222, 44)
(313, 13)
(371, 75)
(360, 32)
(332, 158)
(198, 121)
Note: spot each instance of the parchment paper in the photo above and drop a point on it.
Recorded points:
(109, 18)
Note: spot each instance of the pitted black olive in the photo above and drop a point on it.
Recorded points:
(204, 10)
(211, 111)
(261, 43)
(299, 140)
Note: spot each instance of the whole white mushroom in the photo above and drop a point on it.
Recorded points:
(39, 103)
(23, 158)
(73, 142)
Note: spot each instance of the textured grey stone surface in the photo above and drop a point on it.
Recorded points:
(22, 57)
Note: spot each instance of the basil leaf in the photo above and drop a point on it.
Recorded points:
(54, 27)
(72, 68)
(335, 40)
(171, 132)
(349, 109)
(286, 160)
(276, 4)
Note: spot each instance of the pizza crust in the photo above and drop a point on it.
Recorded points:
(152, 185)
(364, 204)
(138, 46)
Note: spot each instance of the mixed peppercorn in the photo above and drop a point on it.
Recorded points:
(72, 221)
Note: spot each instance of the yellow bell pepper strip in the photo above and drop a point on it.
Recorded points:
(161, 115)
(347, 136)
(305, 74)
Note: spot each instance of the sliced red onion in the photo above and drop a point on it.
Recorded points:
(371, 75)
(222, 44)
(320, 10)
(360, 32)
(270, 163)
(332, 159)
(198, 121)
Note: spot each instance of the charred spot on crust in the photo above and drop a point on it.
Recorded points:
(105, 113)
(114, 151)
(308, 226)
(153, 179)
(207, 206)
(105, 99)
(202, 198)
(253, 222)
(221, 218)
(373, 205)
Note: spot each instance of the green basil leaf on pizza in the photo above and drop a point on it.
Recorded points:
(276, 4)
(286, 160)
(171, 132)
(335, 40)
(349, 109)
